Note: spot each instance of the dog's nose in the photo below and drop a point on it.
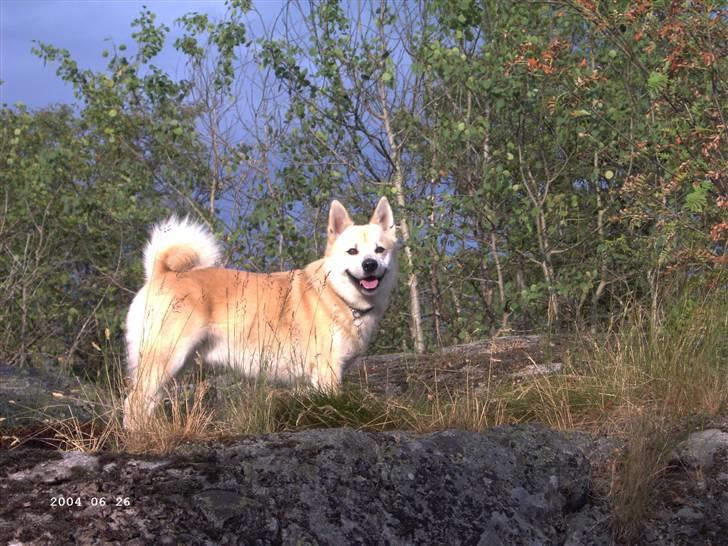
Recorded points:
(369, 265)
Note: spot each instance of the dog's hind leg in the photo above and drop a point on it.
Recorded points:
(156, 363)
(161, 332)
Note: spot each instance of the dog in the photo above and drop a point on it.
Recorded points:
(306, 324)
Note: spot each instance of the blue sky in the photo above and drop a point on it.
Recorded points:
(83, 27)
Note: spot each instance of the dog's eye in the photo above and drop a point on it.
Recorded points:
(353, 251)
(379, 249)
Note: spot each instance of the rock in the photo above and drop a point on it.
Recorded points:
(58, 470)
(30, 397)
(589, 527)
(690, 502)
(468, 366)
(538, 369)
(689, 515)
(701, 448)
(511, 485)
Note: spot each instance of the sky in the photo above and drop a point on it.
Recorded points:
(84, 27)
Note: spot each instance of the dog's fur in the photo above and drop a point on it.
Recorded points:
(307, 323)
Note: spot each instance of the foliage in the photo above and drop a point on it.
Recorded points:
(81, 188)
(550, 163)
(543, 179)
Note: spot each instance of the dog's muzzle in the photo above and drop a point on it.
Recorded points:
(370, 283)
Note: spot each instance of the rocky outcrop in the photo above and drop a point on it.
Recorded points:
(510, 485)
(690, 501)
(30, 397)
(470, 365)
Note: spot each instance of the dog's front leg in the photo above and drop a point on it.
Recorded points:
(326, 377)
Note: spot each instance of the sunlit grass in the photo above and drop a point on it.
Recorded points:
(649, 383)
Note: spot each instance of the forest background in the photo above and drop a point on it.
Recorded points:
(550, 163)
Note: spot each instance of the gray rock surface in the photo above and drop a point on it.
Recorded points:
(512, 485)
(516, 485)
(690, 506)
(702, 447)
(30, 397)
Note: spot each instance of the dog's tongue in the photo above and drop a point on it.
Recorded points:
(369, 284)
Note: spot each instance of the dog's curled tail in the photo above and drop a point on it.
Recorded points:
(180, 245)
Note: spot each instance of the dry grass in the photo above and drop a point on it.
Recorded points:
(650, 383)
(668, 378)
(646, 382)
(603, 385)
(186, 417)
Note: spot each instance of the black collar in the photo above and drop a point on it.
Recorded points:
(358, 313)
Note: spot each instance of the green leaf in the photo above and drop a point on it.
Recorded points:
(656, 82)
(696, 200)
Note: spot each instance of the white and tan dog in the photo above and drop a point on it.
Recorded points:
(305, 324)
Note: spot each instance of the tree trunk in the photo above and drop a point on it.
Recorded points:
(601, 209)
(501, 282)
(398, 183)
(434, 285)
(537, 195)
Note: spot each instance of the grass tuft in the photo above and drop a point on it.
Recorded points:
(648, 381)
(184, 418)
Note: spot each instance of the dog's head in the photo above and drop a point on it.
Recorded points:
(361, 259)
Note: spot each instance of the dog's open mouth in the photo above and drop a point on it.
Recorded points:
(367, 284)
(370, 283)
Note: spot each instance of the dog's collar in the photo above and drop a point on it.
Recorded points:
(358, 313)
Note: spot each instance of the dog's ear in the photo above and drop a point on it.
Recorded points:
(382, 215)
(339, 220)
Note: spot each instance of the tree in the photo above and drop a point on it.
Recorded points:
(549, 162)
(82, 188)
(344, 94)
